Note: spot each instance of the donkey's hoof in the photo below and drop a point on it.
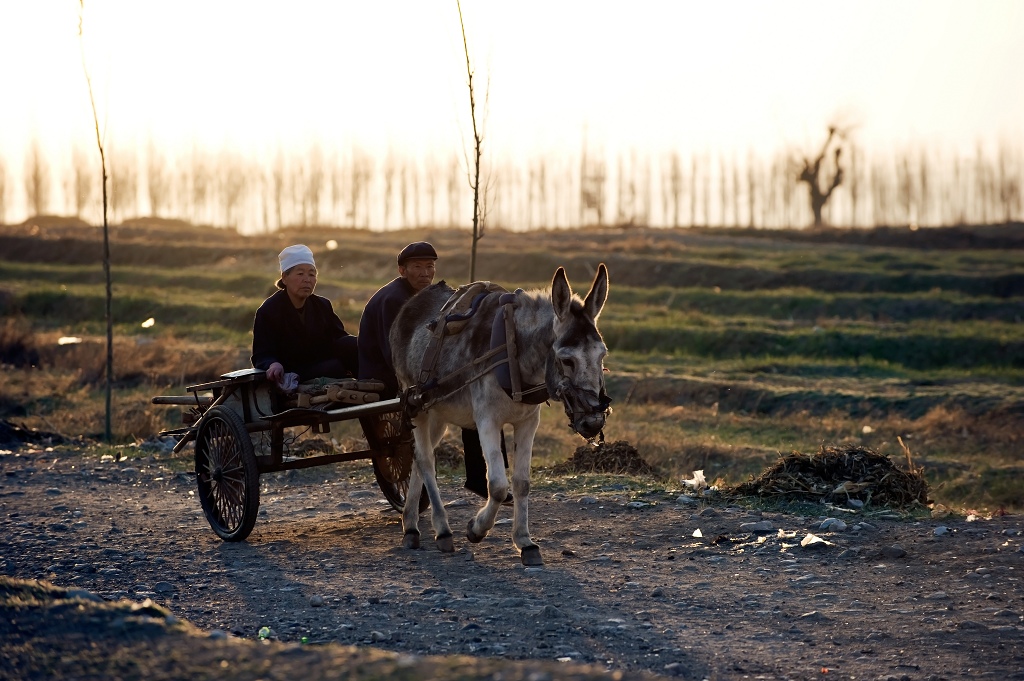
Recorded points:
(411, 540)
(473, 536)
(445, 543)
(531, 556)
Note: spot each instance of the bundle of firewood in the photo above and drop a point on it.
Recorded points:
(325, 391)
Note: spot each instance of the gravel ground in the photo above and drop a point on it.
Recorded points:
(693, 589)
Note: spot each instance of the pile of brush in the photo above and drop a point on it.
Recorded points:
(838, 474)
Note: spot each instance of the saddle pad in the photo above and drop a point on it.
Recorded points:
(461, 306)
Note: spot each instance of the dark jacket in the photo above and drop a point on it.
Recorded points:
(279, 335)
(374, 347)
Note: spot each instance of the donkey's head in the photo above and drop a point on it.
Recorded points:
(576, 367)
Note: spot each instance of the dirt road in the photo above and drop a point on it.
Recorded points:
(631, 581)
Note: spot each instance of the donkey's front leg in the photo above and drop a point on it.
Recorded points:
(521, 462)
(410, 517)
(428, 433)
(497, 481)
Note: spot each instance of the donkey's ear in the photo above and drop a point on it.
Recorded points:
(561, 294)
(594, 302)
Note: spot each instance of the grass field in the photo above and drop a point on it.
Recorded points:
(728, 347)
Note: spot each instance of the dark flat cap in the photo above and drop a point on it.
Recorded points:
(418, 249)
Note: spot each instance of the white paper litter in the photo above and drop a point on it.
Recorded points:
(697, 481)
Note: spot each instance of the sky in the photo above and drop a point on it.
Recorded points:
(730, 76)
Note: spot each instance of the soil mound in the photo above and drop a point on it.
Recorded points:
(838, 474)
(51, 632)
(617, 457)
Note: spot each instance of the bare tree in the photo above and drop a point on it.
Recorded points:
(905, 189)
(723, 191)
(855, 182)
(1009, 184)
(359, 187)
(693, 190)
(314, 186)
(753, 178)
(80, 183)
(643, 191)
(277, 177)
(201, 184)
(3, 192)
(232, 180)
(106, 236)
(123, 184)
(454, 181)
(337, 182)
(626, 209)
(297, 186)
(432, 180)
(881, 195)
(707, 191)
(37, 179)
(735, 193)
(593, 175)
(389, 170)
(478, 141)
(814, 173)
(537, 194)
(769, 205)
(158, 182)
(407, 188)
(924, 187)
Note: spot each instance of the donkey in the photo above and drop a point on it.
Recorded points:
(553, 348)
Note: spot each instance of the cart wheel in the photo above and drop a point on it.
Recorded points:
(392, 473)
(229, 481)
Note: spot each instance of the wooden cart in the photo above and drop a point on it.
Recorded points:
(222, 417)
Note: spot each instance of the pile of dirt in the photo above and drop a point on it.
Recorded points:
(839, 474)
(617, 457)
(52, 632)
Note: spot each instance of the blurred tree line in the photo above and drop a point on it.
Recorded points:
(841, 184)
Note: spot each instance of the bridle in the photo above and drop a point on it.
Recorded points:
(578, 402)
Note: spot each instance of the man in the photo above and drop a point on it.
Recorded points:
(416, 270)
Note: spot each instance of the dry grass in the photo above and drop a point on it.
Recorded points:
(687, 411)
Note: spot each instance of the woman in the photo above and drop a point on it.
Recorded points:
(296, 331)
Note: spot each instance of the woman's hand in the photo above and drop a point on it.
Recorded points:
(275, 372)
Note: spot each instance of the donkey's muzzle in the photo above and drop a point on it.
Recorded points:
(587, 411)
(589, 425)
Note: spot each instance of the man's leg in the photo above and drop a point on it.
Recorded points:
(476, 467)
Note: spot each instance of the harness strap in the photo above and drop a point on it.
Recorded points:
(433, 350)
(515, 376)
(509, 375)
(478, 375)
